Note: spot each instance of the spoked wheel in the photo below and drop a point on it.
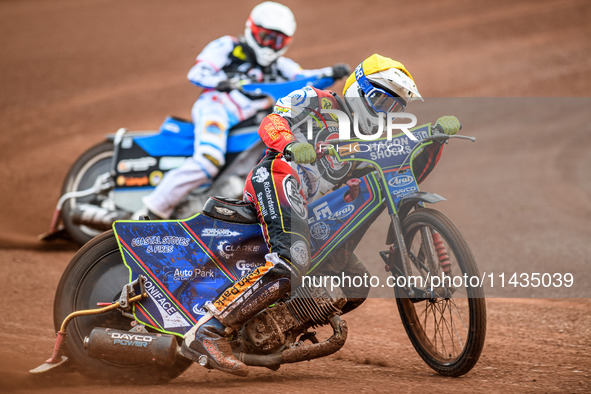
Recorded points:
(97, 274)
(446, 322)
(86, 169)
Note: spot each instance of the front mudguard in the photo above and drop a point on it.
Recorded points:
(407, 204)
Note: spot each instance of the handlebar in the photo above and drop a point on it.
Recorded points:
(322, 148)
(439, 135)
(279, 89)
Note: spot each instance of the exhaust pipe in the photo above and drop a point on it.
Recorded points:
(97, 217)
(131, 347)
(301, 353)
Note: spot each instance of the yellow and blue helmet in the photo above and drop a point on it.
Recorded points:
(384, 85)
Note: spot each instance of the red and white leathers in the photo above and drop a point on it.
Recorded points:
(280, 192)
(283, 209)
(215, 112)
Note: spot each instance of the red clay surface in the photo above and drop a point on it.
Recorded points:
(73, 71)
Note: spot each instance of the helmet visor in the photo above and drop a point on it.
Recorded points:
(382, 101)
(267, 38)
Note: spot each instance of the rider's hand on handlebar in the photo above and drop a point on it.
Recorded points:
(340, 70)
(301, 152)
(228, 85)
(448, 124)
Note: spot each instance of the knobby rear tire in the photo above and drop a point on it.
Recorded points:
(97, 274)
(95, 161)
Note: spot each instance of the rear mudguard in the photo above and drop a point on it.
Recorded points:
(186, 263)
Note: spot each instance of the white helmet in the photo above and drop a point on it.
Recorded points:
(379, 84)
(268, 31)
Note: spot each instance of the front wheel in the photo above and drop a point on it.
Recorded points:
(446, 323)
(97, 274)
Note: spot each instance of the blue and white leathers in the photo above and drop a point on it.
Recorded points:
(214, 113)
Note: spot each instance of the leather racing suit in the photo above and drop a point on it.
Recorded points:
(215, 112)
(280, 192)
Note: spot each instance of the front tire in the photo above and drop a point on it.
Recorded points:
(448, 327)
(97, 274)
(94, 162)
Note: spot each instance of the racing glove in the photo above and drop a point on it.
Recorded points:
(448, 124)
(300, 152)
(340, 70)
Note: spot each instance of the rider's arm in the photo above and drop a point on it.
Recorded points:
(291, 70)
(289, 113)
(207, 71)
(275, 132)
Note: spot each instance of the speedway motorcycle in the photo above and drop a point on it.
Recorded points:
(130, 294)
(107, 182)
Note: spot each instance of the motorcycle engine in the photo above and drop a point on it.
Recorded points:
(282, 323)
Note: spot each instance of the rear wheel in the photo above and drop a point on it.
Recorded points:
(447, 322)
(97, 274)
(94, 162)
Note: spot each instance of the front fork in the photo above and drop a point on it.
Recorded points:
(403, 251)
(433, 252)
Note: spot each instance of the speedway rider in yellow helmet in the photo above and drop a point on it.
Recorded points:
(385, 86)
(280, 191)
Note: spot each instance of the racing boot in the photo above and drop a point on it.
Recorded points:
(207, 345)
(230, 310)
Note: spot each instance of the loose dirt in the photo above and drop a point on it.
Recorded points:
(74, 71)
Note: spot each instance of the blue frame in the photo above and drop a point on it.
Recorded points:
(188, 262)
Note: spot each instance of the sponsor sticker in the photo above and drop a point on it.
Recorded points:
(188, 274)
(322, 211)
(156, 177)
(245, 267)
(139, 164)
(213, 127)
(169, 162)
(343, 212)
(217, 232)
(260, 175)
(171, 317)
(320, 230)
(126, 339)
(198, 310)
(299, 253)
(294, 198)
(400, 180)
(131, 181)
(158, 244)
(227, 250)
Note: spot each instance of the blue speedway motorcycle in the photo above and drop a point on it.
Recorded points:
(107, 182)
(129, 295)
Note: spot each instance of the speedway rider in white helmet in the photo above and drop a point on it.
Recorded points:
(280, 191)
(269, 30)
(219, 68)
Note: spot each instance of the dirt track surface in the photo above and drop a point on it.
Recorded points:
(73, 71)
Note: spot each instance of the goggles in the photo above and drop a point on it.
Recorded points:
(267, 38)
(379, 99)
